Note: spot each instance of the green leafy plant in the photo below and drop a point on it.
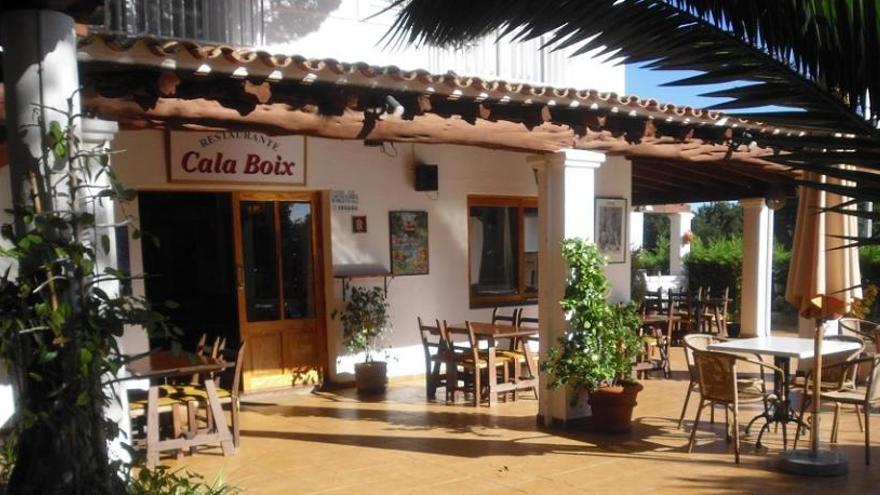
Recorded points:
(365, 320)
(60, 321)
(601, 341)
(7, 461)
(162, 481)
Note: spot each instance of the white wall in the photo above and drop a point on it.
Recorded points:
(352, 20)
(614, 179)
(384, 183)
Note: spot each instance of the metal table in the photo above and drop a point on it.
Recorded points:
(782, 349)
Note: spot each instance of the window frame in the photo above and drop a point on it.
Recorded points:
(521, 203)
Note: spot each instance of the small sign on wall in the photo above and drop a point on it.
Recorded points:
(344, 200)
(236, 157)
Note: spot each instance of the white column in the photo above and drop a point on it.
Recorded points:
(566, 199)
(679, 226)
(97, 135)
(757, 270)
(636, 230)
(39, 71)
(40, 76)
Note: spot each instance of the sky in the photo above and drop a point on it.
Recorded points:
(647, 84)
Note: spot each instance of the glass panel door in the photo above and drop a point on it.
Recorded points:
(280, 288)
(258, 238)
(296, 259)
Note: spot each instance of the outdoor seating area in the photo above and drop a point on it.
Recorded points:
(482, 359)
(183, 408)
(400, 443)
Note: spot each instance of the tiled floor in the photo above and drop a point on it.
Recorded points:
(335, 443)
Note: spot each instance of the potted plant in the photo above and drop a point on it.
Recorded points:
(600, 344)
(733, 326)
(365, 321)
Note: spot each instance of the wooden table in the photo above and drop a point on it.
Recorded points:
(166, 364)
(490, 333)
(782, 349)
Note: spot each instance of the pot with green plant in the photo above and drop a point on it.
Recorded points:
(365, 323)
(597, 351)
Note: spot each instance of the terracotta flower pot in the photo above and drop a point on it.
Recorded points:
(612, 407)
(371, 378)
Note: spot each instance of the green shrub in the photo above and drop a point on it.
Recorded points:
(717, 263)
(653, 260)
(869, 261)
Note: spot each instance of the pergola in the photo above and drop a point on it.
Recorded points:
(679, 154)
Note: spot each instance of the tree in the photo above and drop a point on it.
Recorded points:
(721, 220)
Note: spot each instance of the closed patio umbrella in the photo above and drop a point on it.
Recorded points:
(822, 280)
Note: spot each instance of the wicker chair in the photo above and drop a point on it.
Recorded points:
(861, 396)
(719, 380)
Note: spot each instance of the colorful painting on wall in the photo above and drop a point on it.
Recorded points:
(408, 232)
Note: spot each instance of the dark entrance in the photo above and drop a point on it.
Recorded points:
(191, 262)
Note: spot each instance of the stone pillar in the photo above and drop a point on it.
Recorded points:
(679, 226)
(636, 229)
(41, 82)
(566, 203)
(757, 270)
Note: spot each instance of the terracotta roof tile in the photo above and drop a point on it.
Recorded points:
(224, 58)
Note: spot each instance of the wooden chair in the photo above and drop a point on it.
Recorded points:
(473, 362)
(499, 318)
(228, 387)
(681, 305)
(167, 401)
(719, 380)
(750, 389)
(435, 346)
(657, 339)
(860, 396)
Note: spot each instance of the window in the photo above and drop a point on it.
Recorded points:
(503, 250)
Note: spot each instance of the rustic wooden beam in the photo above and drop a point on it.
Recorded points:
(700, 171)
(283, 119)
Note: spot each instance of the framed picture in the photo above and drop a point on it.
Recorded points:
(611, 214)
(359, 224)
(408, 238)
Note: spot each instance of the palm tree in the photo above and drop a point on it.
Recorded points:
(816, 59)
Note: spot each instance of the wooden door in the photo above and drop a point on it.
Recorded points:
(280, 286)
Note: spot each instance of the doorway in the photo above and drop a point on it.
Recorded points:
(247, 267)
(280, 287)
(188, 260)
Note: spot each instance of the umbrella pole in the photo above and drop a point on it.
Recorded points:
(815, 462)
(817, 385)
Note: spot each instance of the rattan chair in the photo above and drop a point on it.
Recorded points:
(861, 396)
(719, 380)
(750, 389)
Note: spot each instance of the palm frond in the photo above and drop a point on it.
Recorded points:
(812, 55)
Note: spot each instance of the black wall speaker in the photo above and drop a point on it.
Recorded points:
(426, 177)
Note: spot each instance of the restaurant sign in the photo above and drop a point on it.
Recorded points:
(240, 157)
